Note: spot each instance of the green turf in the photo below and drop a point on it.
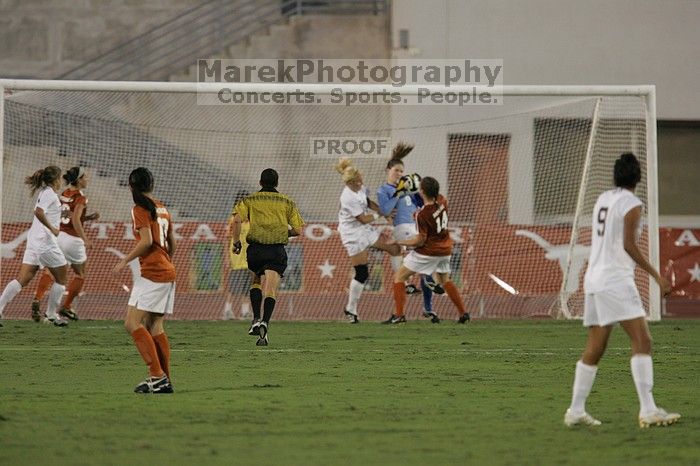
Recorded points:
(492, 392)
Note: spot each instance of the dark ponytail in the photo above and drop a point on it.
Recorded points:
(141, 181)
(400, 151)
(43, 177)
(628, 171)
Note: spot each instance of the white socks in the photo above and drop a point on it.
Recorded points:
(11, 290)
(55, 295)
(643, 375)
(354, 297)
(583, 382)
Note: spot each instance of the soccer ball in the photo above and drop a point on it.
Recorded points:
(411, 183)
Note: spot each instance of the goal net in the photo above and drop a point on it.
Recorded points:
(521, 179)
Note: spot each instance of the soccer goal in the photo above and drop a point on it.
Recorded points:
(521, 177)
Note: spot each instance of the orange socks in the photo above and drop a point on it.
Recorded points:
(45, 283)
(163, 350)
(399, 298)
(73, 289)
(455, 297)
(146, 346)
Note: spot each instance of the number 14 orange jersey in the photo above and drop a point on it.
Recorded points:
(432, 226)
(156, 264)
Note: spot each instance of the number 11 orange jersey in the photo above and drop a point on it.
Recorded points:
(156, 264)
(70, 198)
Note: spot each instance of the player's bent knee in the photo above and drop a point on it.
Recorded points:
(361, 273)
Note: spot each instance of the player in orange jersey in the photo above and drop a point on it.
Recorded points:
(153, 294)
(433, 249)
(72, 240)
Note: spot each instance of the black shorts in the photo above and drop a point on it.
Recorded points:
(263, 257)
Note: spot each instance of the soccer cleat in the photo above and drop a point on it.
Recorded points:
(254, 328)
(658, 418)
(352, 318)
(262, 339)
(435, 287)
(155, 385)
(572, 419)
(464, 318)
(36, 313)
(55, 321)
(432, 316)
(412, 289)
(69, 313)
(394, 319)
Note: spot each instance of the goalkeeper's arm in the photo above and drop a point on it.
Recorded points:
(386, 202)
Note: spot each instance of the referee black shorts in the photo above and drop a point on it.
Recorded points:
(263, 257)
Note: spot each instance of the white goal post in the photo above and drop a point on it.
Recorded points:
(571, 131)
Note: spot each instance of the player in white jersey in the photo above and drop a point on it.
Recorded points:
(357, 234)
(611, 296)
(42, 246)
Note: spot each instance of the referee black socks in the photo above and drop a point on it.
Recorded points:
(268, 306)
(256, 298)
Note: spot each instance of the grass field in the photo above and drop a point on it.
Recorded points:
(492, 392)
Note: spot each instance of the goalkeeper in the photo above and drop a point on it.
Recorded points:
(399, 197)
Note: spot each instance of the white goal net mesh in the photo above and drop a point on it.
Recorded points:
(512, 174)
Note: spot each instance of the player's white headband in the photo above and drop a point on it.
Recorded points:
(81, 172)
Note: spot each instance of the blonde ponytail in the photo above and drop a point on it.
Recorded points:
(347, 171)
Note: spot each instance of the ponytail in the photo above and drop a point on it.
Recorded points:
(42, 177)
(73, 175)
(144, 201)
(347, 171)
(400, 151)
(141, 182)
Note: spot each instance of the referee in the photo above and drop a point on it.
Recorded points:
(273, 219)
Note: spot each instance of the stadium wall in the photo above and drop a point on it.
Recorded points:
(42, 39)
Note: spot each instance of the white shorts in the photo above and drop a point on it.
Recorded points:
(45, 255)
(73, 248)
(150, 296)
(426, 265)
(611, 306)
(360, 240)
(405, 231)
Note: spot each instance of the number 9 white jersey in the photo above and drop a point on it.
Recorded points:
(609, 265)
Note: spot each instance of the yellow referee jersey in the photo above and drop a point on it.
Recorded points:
(269, 214)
